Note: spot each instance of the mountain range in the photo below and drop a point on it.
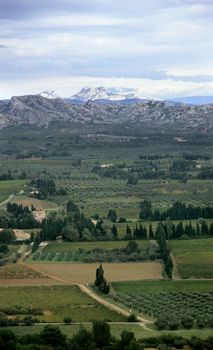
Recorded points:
(124, 95)
(43, 109)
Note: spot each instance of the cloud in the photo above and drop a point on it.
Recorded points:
(67, 86)
(162, 41)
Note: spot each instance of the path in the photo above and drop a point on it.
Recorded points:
(86, 290)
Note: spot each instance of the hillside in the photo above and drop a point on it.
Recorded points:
(41, 111)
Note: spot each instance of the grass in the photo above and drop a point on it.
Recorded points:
(10, 187)
(194, 258)
(57, 302)
(163, 286)
(116, 330)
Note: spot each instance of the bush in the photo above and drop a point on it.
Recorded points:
(174, 324)
(187, 322)
(132, 318)
(67, 320)
(161, 323)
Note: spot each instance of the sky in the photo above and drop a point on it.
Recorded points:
(163, 48)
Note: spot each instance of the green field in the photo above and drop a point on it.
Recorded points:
(10, 187)
(163, 286)
(96, 194)
(194, 258)
(64, 247)
(172, 300)
(57, 302)
(90, 252)
(116, 330)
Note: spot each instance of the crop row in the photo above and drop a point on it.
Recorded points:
(171, 305)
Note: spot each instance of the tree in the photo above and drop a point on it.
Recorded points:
(99, 276)
(132, 246)
(70, 233)
(151, 232)
(100, 281)
(114, 232)
(128, 235)
(7, 236)
(161, 323)
(52, 336)
(101, 333)
(112, 216)
(146, 210)
(67, 320)
(81, 341)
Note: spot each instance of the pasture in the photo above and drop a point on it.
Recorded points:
(56, 303)
(85, 273)
(194, 258)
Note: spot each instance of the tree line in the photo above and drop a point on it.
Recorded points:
(178, 211)
(172, 231)
(99, 337)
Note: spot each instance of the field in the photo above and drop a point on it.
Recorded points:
(85, 273)
(90, 252)
(36, 203)
(98, 194)
(116, 330)
(8, 188)
(194, 258)
(64, 247)
(17, 272)
(56, 303)
(171, 300)
(140, 285)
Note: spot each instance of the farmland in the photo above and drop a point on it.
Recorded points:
(113, 251)
(85, 273)
(194, 257)
(33, 202)
(56, 302)
(171, 300)
(79, 175)
(10, 187)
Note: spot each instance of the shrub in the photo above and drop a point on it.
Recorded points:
(132, 318)
(67, 320)
(187, 322)
(161, 323)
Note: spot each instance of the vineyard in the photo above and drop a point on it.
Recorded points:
(97, 254)
(33, 202)
(174, 307)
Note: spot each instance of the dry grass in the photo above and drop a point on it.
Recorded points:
(85, 273)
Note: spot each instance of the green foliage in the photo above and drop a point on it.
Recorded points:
(101, 333)
(7, 236)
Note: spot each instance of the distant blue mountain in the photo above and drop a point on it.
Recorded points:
(193, 100)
